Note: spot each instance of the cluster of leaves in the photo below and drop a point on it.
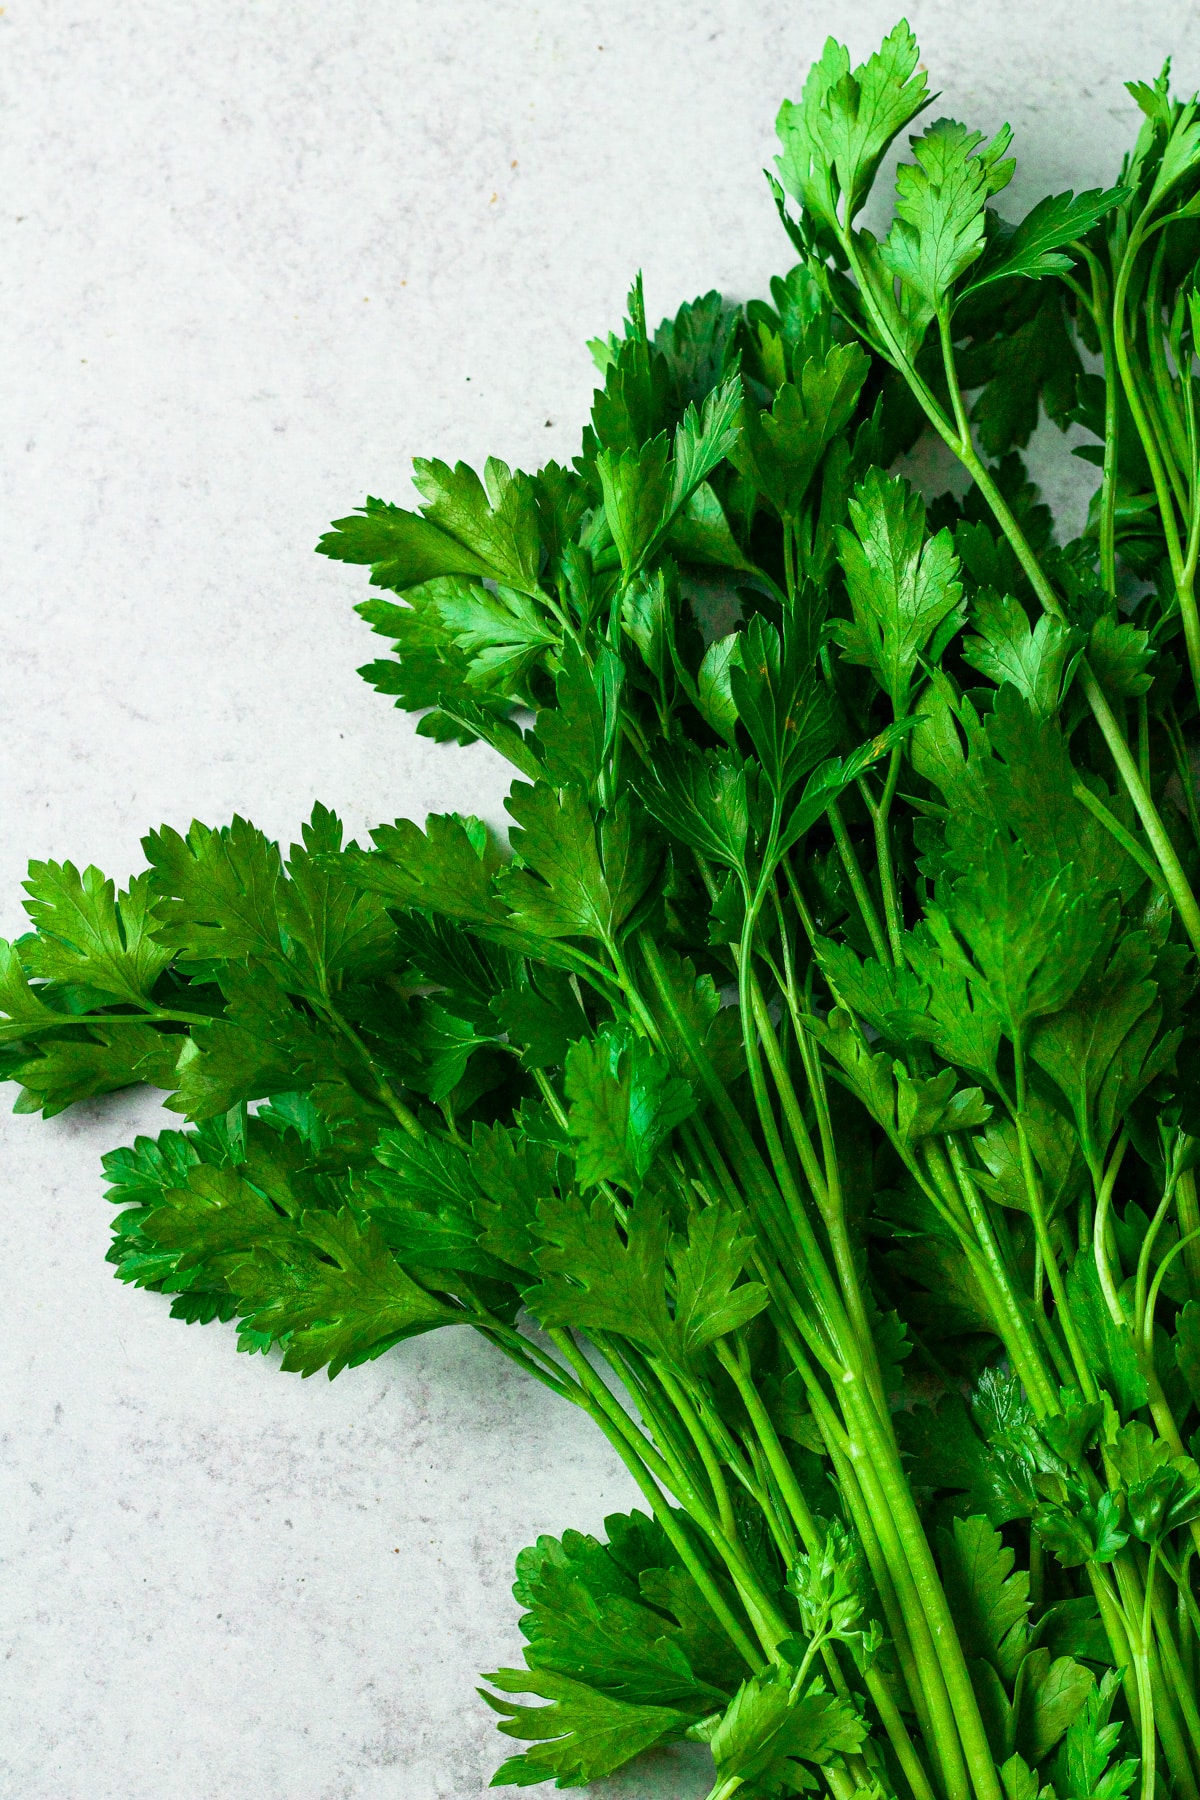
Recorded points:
(817, 1051)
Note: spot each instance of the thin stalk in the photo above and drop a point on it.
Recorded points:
(858, 886)
(1016, 1331)
(1142, 1274)
(1181, 1689)
(745, 1154)
(721, 1530)
(149, 1015)
(1131, 1609)
(657, 1458)
(527, 1355)
(871, 1470)
(1183, 765)
(1150, 444)
(912, 1671)
(935, 1609)
(1100, 1233)
(1118, 833)
(768, 1437)
(789, 1101)
(879, 1484)
(700, 1439)
(403, 1117)
(1033, 1189)
(1113, 1619)
(829, 1203)
(898, 1737)
(679, 1539)
(1112, 416)
(958, 439)
(1169, 424)
(1188, 1208)
(880, 811)
(965, 1219)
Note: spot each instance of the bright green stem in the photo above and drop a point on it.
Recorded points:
(957, 437)
(901, 1742)
(700, 1439)
(744, 1152)
(874, 1468)
(1100, 1233)
(1142, 1274)
(920, 1678)
(1181, 1688)
(1012, 1320)
(1152, 825)
(829, 1200)
(1188, 1209)
(1112, 418)
(678, 1538)
(823, 1288)
(1183, 768)
(1114, 737)
(401, 1114)
(880, 819)
(858, 885)
(768, 1437)
(1183, 568)
(801, 1137)
(1041, 1226)
(1131, 1610)
(1118, 833)
(888, 1472)
(721, 1530)
(1113, 1620)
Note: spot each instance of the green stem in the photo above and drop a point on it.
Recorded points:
(798, 1506)
(1131, 1610)
(858, 885)
(678, 1538)
(1168, 423)
(1188, 1208)
(1183, 765)
(407, 1120)
(878, 1481)
(1150, 444)
(1142, 1273)
(1180, 1687)
(920, 1677)
(768, 1437)
(149, 1015)
(1100, 1230)
(1113, 1620)
(1033, 1190)
(968, 1727)
(959, 441)
(700, 1439)
(880, 811)
(1013, 1322)
(1112, 417)
(1117, 831)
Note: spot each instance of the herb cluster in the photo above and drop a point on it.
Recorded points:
(807, 1090)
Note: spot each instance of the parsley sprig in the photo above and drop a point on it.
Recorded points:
(805, 1086)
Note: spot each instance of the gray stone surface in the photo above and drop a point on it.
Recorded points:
(255, 258)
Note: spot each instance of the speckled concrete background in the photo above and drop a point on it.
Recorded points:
(255, 258)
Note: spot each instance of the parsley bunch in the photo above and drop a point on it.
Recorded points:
(807, 1090)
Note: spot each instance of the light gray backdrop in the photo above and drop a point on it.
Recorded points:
(257, 256)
